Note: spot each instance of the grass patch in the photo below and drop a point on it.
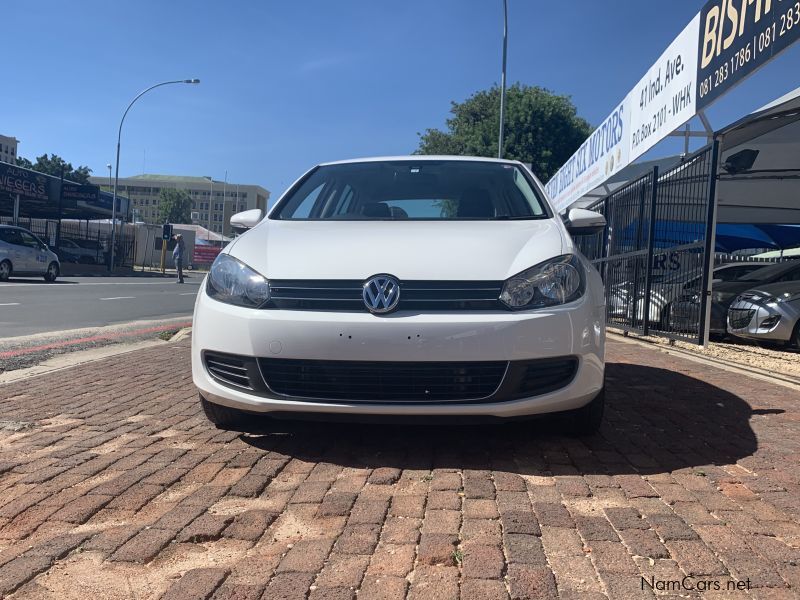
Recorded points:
(167, 335)
(458, 557)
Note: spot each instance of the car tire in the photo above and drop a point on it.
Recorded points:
(795, 339)
(52, 272)
(224, 417)
(587, 419)
(5, 270)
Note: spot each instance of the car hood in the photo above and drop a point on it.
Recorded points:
(421, 250)
(735, 287)
(777, 289)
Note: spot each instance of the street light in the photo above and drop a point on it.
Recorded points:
(116, 174)
(503, 79)
(210, 204)
(108, 166)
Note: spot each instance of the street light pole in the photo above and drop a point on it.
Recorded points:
(210, 205)
(503, 80)
(108, 166)
(116, 173)
(224, 200)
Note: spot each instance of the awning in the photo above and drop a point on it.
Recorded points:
(729, 237)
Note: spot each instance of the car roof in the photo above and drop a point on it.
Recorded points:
(422, 158)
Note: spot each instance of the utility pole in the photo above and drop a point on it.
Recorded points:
(503, 80)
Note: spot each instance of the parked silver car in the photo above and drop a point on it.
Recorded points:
(22, 253)
(71, 251)
(769, 312)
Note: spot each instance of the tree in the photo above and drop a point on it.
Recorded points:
(51, 165)
(175, 206)
(541, 128)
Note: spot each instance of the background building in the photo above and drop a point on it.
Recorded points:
(212, 212)
(8, 149)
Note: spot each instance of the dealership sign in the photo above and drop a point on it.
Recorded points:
(28, 184)
(724, 43)
(739, 36)
(73, 194)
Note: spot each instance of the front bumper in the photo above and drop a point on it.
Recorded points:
(577, 329)
(780, 331)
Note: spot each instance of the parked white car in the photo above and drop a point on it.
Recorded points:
(411, 286)
(22, 253)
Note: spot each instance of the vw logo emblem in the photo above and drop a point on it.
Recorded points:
(381, 294)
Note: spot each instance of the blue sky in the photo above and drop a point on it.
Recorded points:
(288, 84)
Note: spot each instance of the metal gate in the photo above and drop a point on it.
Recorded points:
(656, 250)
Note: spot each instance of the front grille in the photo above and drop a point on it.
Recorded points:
(739, 318)
(230, 369)
(345, 295)
(362, 381)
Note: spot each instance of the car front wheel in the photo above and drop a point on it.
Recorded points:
(224, 417)
(52, 272)
(587, 419)
(5, 270)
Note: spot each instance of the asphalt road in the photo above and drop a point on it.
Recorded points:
(31, 306)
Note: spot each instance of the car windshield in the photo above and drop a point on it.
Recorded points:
(767, 273)
(413, 190)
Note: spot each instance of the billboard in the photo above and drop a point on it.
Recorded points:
(723, 44)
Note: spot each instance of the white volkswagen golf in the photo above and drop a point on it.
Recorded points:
(412, 286)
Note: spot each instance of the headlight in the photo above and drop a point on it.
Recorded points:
(233, 282)
(556, 281)
(722, 297)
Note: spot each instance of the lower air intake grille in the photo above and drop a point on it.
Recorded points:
(383, 381)
(547, 375)
(230, 369)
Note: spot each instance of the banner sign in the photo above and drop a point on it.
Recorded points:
(72, 194)
(604, 153)
(724, 43)
(664, 99)
(739, 36)
(205, 254)
(28, 184)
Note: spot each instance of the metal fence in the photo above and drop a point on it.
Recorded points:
(653, 253)
(84, 242)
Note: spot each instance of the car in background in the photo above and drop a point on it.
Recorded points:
(71, 251)
(24, 254)
(767, 313)
(686, 310)
(417, 287)
(663, 293)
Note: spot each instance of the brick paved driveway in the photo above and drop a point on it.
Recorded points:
(120, 489)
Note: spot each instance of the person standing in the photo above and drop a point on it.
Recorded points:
(177, 255)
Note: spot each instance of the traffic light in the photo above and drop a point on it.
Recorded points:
(166, 234)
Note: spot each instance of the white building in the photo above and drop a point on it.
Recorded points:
(212, 212)
(8, 149)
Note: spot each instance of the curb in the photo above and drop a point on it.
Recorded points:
(181, 335)
(755, 372)
(75, 359)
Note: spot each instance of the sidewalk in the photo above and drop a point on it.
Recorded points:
(113, 485)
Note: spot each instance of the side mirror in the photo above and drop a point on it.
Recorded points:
(246, 219)
(584, 222)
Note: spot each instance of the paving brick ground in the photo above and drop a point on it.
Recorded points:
(117, 487)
